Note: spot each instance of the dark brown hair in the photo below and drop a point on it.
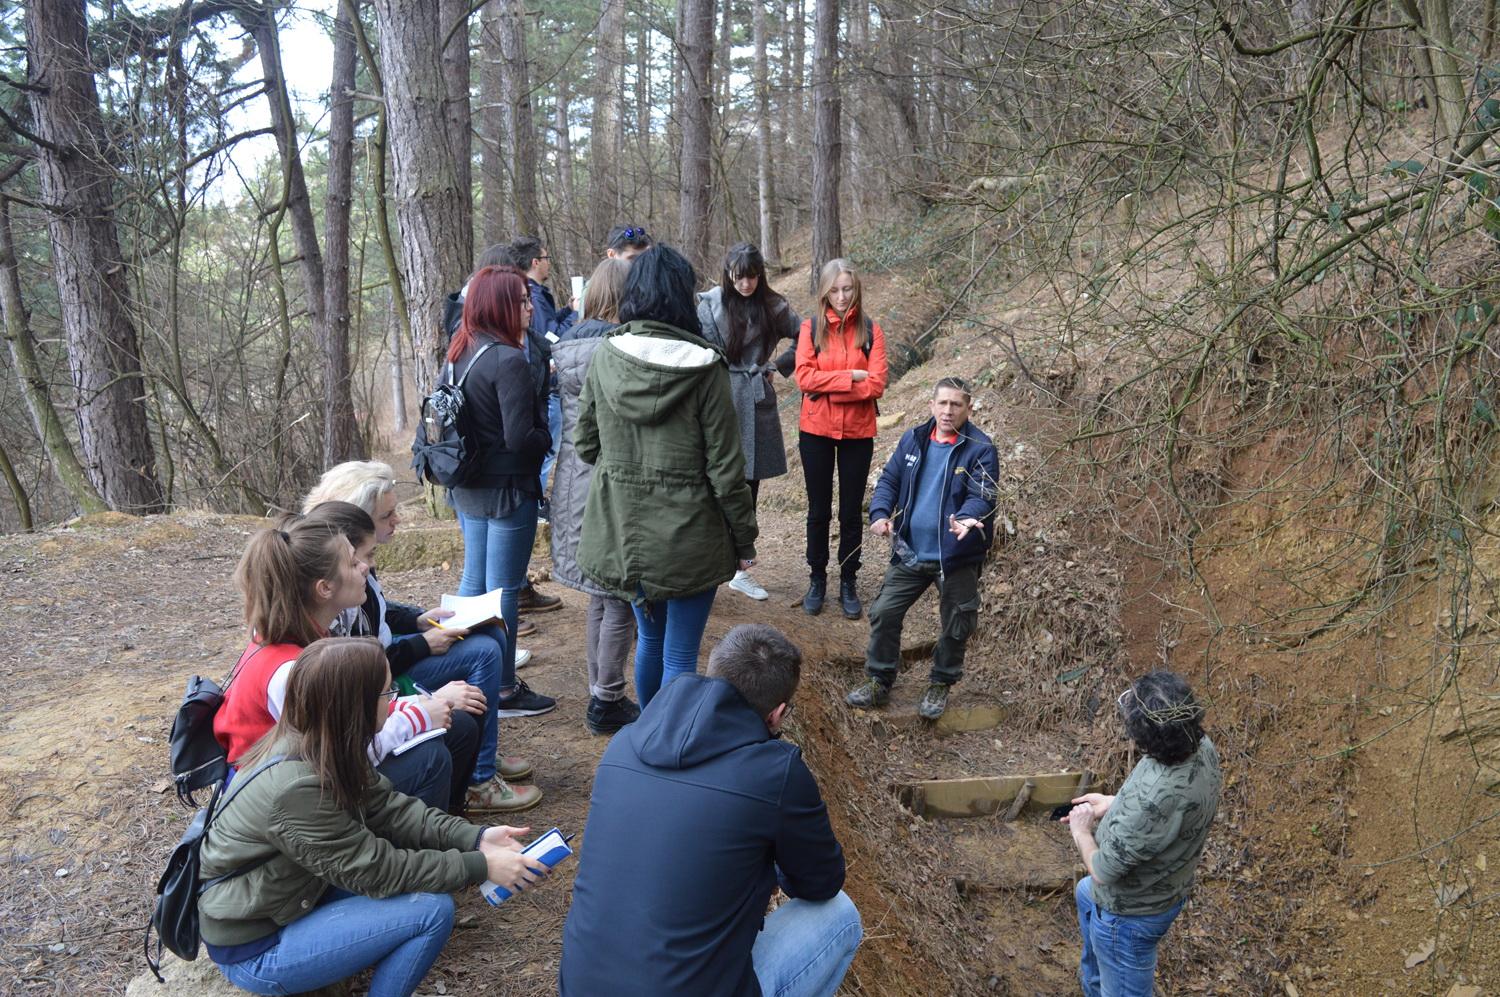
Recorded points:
(328, 717)
(761, 663)
(276, 575)
(346, 517)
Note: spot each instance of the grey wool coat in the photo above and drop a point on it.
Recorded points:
(570, 476)
(754, 397)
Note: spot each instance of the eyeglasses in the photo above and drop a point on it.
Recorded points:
(392, 693)
(540, 258)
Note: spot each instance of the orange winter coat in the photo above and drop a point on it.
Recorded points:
(833, 403)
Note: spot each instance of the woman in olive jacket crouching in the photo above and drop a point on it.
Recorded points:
(337, 872)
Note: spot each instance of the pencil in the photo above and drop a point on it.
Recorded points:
(439, 625)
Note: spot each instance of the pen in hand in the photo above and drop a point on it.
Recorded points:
(439, 625)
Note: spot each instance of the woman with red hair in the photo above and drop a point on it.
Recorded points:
(508, 410)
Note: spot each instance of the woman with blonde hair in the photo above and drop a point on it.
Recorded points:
(464, 668)
(841, 370)
(611, 623)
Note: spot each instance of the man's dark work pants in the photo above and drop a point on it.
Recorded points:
(958, 606)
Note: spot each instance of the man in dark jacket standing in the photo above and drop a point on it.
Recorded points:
(548, 323)
(698, 810)
(936, 501)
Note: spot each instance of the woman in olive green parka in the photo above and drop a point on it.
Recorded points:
(669, 516)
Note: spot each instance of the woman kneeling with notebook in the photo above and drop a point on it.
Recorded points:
(340, 871)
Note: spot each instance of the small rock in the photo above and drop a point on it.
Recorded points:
(62, 873)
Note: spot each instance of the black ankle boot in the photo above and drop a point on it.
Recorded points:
(817, 591)
(849, 598)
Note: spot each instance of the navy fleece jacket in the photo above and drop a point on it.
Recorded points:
(695, 809)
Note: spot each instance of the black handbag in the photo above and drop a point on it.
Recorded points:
(176, 915)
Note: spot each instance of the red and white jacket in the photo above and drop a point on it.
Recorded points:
(257, 690)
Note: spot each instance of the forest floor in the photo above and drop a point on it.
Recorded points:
(1296, 895)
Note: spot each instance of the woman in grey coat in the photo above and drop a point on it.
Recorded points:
(611, 622)
(746, 319)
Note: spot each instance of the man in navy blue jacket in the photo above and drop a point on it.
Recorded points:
(698, 811)
(936, 501)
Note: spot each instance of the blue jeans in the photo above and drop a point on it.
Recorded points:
(805, 947)
(1119, 950)
(667, 635)
(400, 936)
(495, 555)
(554, 426)
(478, 660)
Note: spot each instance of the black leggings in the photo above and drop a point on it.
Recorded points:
(820, 455)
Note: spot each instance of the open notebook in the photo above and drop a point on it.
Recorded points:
(471, 611)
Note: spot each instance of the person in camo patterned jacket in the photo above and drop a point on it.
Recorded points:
(1143, 852)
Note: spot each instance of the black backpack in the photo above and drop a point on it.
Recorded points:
(444, 451)
(176, 915)
(198, 759)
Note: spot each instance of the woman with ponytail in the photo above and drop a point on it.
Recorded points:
(334, 871)
(296, 581)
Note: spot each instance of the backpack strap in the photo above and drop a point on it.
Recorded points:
(865, 347)
(214, 806)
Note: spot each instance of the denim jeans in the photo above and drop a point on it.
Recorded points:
(425, 772)
(668, 634)
(495, 555)
(554, 426)
(400, 936)
(1119, 951)
(805, 947)
(478, 660)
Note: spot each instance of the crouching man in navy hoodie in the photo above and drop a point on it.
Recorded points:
(936, 501)
(699, 810)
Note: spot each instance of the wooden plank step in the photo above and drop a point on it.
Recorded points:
(958, 718)
(980, 797)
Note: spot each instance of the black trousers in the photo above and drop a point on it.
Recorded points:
(821, 455)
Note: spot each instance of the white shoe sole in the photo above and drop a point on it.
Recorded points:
(523, 657)
(746, 586)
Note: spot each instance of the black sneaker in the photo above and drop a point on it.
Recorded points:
(870, 692)
(817, 591)
(849, 600)
(606, 716)
(525, 703)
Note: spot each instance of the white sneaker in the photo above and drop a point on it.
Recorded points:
(523, 657)
(742, 582)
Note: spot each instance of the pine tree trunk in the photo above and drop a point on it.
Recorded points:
(341, 437)
(643, 95)
(49, 425)
(77, 183)
(262, 26)
(436, 236)
(770, 240)
(796, 191)
(398, 374)
(515, 76)
(455, 27)
(17, 491)
(827, 232)
(498, 220)
(567, 200)
(604, 131)
(696, 48)
(857, 58)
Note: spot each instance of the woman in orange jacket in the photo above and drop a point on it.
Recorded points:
(841, 370)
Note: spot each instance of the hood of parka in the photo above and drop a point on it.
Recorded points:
(647, 368)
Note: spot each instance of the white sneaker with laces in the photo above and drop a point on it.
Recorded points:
(523, 657)
(743, 583)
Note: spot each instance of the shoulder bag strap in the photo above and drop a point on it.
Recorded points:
(482, 350)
